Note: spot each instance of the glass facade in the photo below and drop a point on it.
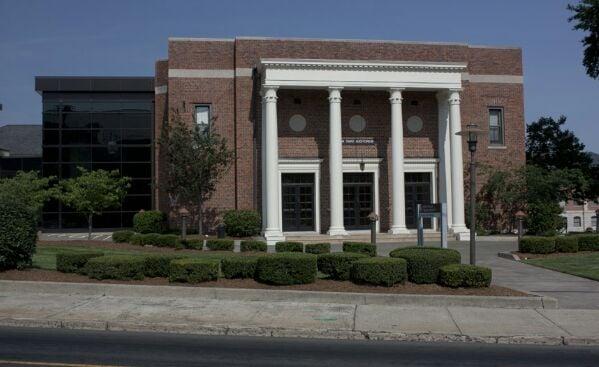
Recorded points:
(99, 130)
(10, 166)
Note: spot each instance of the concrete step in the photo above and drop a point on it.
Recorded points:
(361, 237)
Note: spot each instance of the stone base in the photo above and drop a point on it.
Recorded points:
(461, 233)
(337, 231)
(399, 230)
(272, 237)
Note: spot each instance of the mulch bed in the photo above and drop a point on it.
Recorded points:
(525, 255)
(319, 285)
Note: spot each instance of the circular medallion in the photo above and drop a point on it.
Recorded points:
(414, 124)
(357, 123)
(297, 123)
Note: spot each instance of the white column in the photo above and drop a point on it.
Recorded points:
(335, 163)
(444, 154)
(263, 162)
(457, 166)
(398, 197)
(272, 232)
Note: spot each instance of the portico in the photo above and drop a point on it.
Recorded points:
(340, 77)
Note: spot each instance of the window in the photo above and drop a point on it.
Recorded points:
(202, 117)
(577, 222)
(496, 126)
(594, 221)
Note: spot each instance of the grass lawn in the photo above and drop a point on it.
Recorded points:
(582, 265)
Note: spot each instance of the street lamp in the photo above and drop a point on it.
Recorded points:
(597, 220)
(472, 132)
(520, 215)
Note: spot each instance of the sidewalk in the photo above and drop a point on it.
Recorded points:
(110, 308)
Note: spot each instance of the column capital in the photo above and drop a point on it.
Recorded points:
(395, 95)
(335, 94)
(453, 96)
(269, 93)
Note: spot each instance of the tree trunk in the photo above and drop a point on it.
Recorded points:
(89, 226)
(200, 218)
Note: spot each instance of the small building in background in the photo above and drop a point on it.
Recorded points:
(580, 217)
(20, 149)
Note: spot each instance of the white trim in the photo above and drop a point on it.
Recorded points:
(161, 89)
(193, 39)
(425, 165)
(201, 73)
(497, 147)
(371, 165)
(241, 72)
(489, 78)
(301, 166)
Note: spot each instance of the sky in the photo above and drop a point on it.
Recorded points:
(125, 37)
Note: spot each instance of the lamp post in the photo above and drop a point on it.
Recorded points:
(472, 131)
(520, 215)
(184, 214)
(597, 221)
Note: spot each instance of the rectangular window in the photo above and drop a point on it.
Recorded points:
(202, 117)
(496, 126)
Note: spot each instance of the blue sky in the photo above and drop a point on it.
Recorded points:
(123, 37)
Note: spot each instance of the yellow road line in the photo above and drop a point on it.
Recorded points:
(53, 364)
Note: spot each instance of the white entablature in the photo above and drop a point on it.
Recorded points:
(318, 73)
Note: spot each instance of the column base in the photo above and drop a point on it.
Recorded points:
(338, 231)
(399, 230)
(273, 236)
(461, 232)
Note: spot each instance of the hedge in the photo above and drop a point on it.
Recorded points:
(158, 265)
(385, 271)
(250, 245)
(239, 266)
(122, 267)
(537, 245)
(338, 265)
(220, 244)
(463, 275)
(286, 268)
(318, 248)
(289, 246)
(588, 242)
(150, 221)
(360, 247)
(18, 234)
(74, 262)
(194, 244)
(193, 270)
(566, 244)
(155, 239)
(424, 262)
(122, 236)
(242, 223)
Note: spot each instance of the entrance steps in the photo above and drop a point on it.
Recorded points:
(362, 237)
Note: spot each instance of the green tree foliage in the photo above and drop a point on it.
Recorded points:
(586, 18)
(32, 190)
(92, 192)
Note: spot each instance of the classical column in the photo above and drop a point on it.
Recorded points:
(272, 232)
(335, 163)
(398, 197)
(444, 150)
(263, 162)
(457, 167)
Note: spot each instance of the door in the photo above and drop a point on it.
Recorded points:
(358, 199)
(418, 191)
(297, 201)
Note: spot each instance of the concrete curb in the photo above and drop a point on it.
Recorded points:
(509, 256)
(224, 330)
(238, 294)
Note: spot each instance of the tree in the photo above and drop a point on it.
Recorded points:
(92, 192)
(28, 188)
(586, 18)
(196, 160)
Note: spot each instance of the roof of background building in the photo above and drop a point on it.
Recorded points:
(21, 140)
(94, 84)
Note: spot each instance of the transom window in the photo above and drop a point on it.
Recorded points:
(577, 222)
(496, 126)
(202, 117)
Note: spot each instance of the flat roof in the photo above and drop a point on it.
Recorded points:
(94, 84)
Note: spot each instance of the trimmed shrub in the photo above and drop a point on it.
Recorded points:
(194, 244)
(424, 262)
(74, 262)
(566, 244)
(121, 267)
(318, 248)
(150, 221)
(537, 245)
(18, 234)
(136, 239)
(464, 275)
(588, 242)
(239, 266)
(193, 270)
(251, 245)
(289, 246)
(242, 223)
(158, 265)
(385, 271)
(360, 248)
(167, 240)
(220, 245)
(122, 236)
(338, 265)
(286, 268)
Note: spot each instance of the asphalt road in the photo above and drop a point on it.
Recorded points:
(71, 348)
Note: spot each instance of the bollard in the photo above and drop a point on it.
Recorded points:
(373, 218)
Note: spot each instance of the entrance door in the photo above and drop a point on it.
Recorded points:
(358, 199)
(297, 201)
(418, 191)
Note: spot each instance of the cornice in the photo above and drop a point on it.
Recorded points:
(320, 64)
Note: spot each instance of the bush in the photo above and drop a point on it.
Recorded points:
(318, 248)
(289, 246)
(424, 262)
(338, 265)
(242, 223)
(193, 270)
(18, 234)
(194, 244)
(385, 271)
(566, 244)
(121, 267)
(239, 266)
(360, 248)
(220, 245)
(167, 240)
(286, 268)
(151, 221)
(537, 245)
(588, 242)
(158, 265)
(74, 262)
(463, 275)
(136, 239)
(122, 236)
(250, 245)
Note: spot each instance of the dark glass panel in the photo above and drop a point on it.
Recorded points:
(76, 137)
(107, 220)
(73, 220)
(51, 137)
(50, 170)
(50, 220)
(110, 153)
(137, 154)
(106, 136)
(76, 154)
(70, 170)
(107, 166)
(51, 206)
(137, 170)
(51, 106)
(50, 121)
(137, 106)
(32, 164)
(50, 155)
(107, 106)
(75, 106)
(75, 120)
(136, 203)
(106, 121)
(127, 218)
(140, 187)
(137, 136)
(136, 120)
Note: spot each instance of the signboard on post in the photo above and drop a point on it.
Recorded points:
(437, 210)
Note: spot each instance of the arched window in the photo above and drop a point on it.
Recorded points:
(594, 221)
(577, 222)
